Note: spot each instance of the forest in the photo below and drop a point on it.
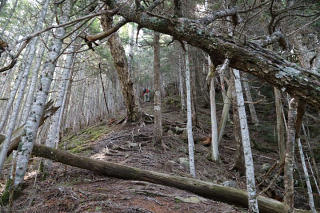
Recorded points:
(156, 106)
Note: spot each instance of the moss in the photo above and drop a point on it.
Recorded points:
(8, 192)
(79, 142)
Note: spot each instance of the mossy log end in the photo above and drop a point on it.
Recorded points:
(205, 189)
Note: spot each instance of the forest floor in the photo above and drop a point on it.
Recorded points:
(69, 189)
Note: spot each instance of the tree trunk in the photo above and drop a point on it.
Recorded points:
(306, 175)
(33, 83)
(181, 79)
(225, 112)
(253, 113)
(33, 120)
(121, 65)
(54, 129)
(213, 113)
(205, 189)
(280, 124)
(157, 130)
(289, 158)
(253, 204)
(189, 117)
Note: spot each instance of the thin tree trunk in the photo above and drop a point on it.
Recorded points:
(252, 109)
(213, 112)
(306, 175)
(289, 157)
(280, 124)
(54, 130)
(189, 117)
(157, 131)
(253, 204)
(225, 112)
(33, 84)
(32, 124)
(103, 90)
(12, 96)
(181, 80)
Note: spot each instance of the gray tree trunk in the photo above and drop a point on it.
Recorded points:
(247, 91)
(54, 130)
(251, 188)
(306, 175)
(157, 130)
(289, 157)
(32, 123)
(189, 118)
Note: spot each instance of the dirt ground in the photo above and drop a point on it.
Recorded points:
(69, 189)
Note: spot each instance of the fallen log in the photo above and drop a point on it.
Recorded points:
(205, 189)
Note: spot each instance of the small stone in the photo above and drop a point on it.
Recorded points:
(170, 132)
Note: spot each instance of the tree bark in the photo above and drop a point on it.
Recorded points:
(32, 123)
(205, 189)
(289, 158)
(246, 87)
(245, 138)
(213, 113)
(280, 124)
(189, 118)
(157, 130)
(306, 175)
(121, 65)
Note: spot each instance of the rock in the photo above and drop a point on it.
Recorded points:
(265, 167)
(194, 200)
(184, 162)
(230, 183)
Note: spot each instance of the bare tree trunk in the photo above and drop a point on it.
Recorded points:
(225, 112)
(33, 84)
(280, 124)
(189, 117)
(121, 64)
(246, 87)
(157, 130)
(239, 164)
(54, 129)
(181, 79)
(306, 175)
(32, 124)
(289, 158)
(253, 204)
(12, 96)
(213, 112)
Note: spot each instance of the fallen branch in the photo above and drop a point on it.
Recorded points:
(205, 189)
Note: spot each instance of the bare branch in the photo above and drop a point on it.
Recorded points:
(102, 35)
